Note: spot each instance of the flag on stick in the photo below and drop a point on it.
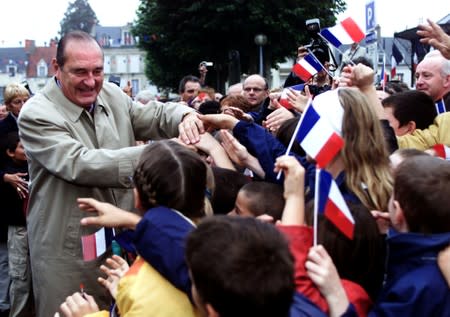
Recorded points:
(317, 137)
(345, 32)
(284, 98)
(396, 59)
(333, 206)
(307, 67)
(96, 244)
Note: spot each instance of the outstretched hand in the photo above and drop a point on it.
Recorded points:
(432, 34)
(115, 268)
(108, 214)
(219, 121)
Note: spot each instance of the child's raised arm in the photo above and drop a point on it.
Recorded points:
(108, 215)
(294, 188)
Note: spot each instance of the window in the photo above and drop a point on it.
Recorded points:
(41, 69)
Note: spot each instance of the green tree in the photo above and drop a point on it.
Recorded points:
(178, 34)
(79, 16)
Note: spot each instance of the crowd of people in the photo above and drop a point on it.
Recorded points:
(212, 205)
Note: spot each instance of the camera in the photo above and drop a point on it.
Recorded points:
(317, 45)
(206, 64)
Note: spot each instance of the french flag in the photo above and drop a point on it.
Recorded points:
(96, 244)
(333, 205)
(346, 32)
(396, 59)
(440, 106)
(317, 137)
(284, 97)
(307, 67)
(383, 76)
(442, 151)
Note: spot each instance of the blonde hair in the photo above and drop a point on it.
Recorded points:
(14, 90)
(365, 154)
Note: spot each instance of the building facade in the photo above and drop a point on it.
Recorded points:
(32, 65)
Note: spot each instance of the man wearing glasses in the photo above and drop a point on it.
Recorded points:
(255, 90)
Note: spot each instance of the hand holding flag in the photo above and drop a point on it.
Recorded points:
(284, 98)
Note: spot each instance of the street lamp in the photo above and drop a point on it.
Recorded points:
(261, 40)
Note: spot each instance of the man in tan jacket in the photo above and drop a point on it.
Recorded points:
(79, 135)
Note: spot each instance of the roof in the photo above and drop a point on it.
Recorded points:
(13, 56)
(411, 34)
(41, 53)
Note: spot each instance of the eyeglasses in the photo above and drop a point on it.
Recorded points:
(190, 91)
(18, 102)
(255, 89)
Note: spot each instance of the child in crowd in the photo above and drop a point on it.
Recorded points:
(240, 267)
(169, 194)
(259, 198)
(420, 220)
(300, 238)
(14, 208)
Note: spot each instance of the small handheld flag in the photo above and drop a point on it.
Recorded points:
(442, 151)
(333, 205)
(318, 138)
(284, 99)
(307, 67)
(95, 244)
(440, 106)
(396, 59)
(345, 32)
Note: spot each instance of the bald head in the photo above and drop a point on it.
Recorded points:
(255, 89)
(433, 75)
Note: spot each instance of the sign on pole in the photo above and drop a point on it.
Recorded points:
(370, 16)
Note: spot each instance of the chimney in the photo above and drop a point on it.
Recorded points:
(30, 46)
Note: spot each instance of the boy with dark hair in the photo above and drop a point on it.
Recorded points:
(420, 218)
(258, 198)
(244, 269)
(419, 212)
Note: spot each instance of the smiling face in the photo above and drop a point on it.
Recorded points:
(430, 79)
(81, 76)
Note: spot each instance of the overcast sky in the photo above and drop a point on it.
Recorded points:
(39, 19)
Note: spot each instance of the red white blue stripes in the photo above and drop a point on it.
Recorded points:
(307, 67)
(333, 205)
(346, 32)
(318, 138)
(96, 244)
(284, 98)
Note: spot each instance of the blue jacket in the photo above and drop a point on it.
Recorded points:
(414, 284)
(160, 239)
(266, 148)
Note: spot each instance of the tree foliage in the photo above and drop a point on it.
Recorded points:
(79, 16)
(178, 34)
